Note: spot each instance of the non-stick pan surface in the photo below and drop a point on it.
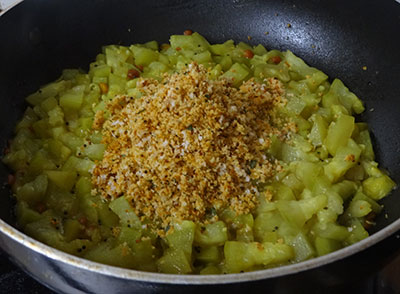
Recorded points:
(356, 41)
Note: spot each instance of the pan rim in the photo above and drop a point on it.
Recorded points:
(160, 278)
(16, 2)
(151, 277)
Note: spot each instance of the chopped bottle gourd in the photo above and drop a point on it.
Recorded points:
(328, 187)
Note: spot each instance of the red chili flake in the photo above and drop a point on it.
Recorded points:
(133, 73)
(276, 59)
(40, 207)
(178, 48)
(11, 179)
(138, 241)
(54, 221)
(83, 220)
(188, 32)
(248, 54)
(140, 67)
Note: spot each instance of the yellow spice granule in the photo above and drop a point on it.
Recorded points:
(190, 145)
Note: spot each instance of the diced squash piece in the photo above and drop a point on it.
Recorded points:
(105, 215)
(82, 166)
(315, 79)
(303, 248)
(339, 132)
(58, 150)
(63, 179)
(279, 71)
(356, 232)
(40, 161)
(236, 74)
(41, 128)
(222, 49)
(241, 256)
(47, 91)
(95, 151)
(182, 236)
(101, 70)
(297, 65)
(124, 210)
(26, 215)
(49, 104)
(319, 130)
(189, 42)
(144, 56)
(295, 105)
(345, 97)
(72, 229)
(72, 99)
(378, 187)
(345, 189)
(174, 262)
(56, 117)
(346, 157)
(211, 234)
(266, 226)
(33, 191)
(141, 248)
(365, 139)
(71, 141)
(46, 230)
(374, 205)
(308, 172)
(121, 255)
(298, 212)
(325, 245)
(209, 255)
(359, 208)
(259, 50)
(331, 231)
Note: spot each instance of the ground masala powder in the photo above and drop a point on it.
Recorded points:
(190, 146)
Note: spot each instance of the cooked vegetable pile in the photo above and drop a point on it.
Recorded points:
(191, 158)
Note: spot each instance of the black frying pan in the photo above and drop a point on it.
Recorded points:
(40, 38)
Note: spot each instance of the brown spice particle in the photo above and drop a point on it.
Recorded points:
(103, 88)
(248, 54)
(10, 179)
(98, 120)
(275, 59)
(350, 157)
(40, 207)
(133, 73)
